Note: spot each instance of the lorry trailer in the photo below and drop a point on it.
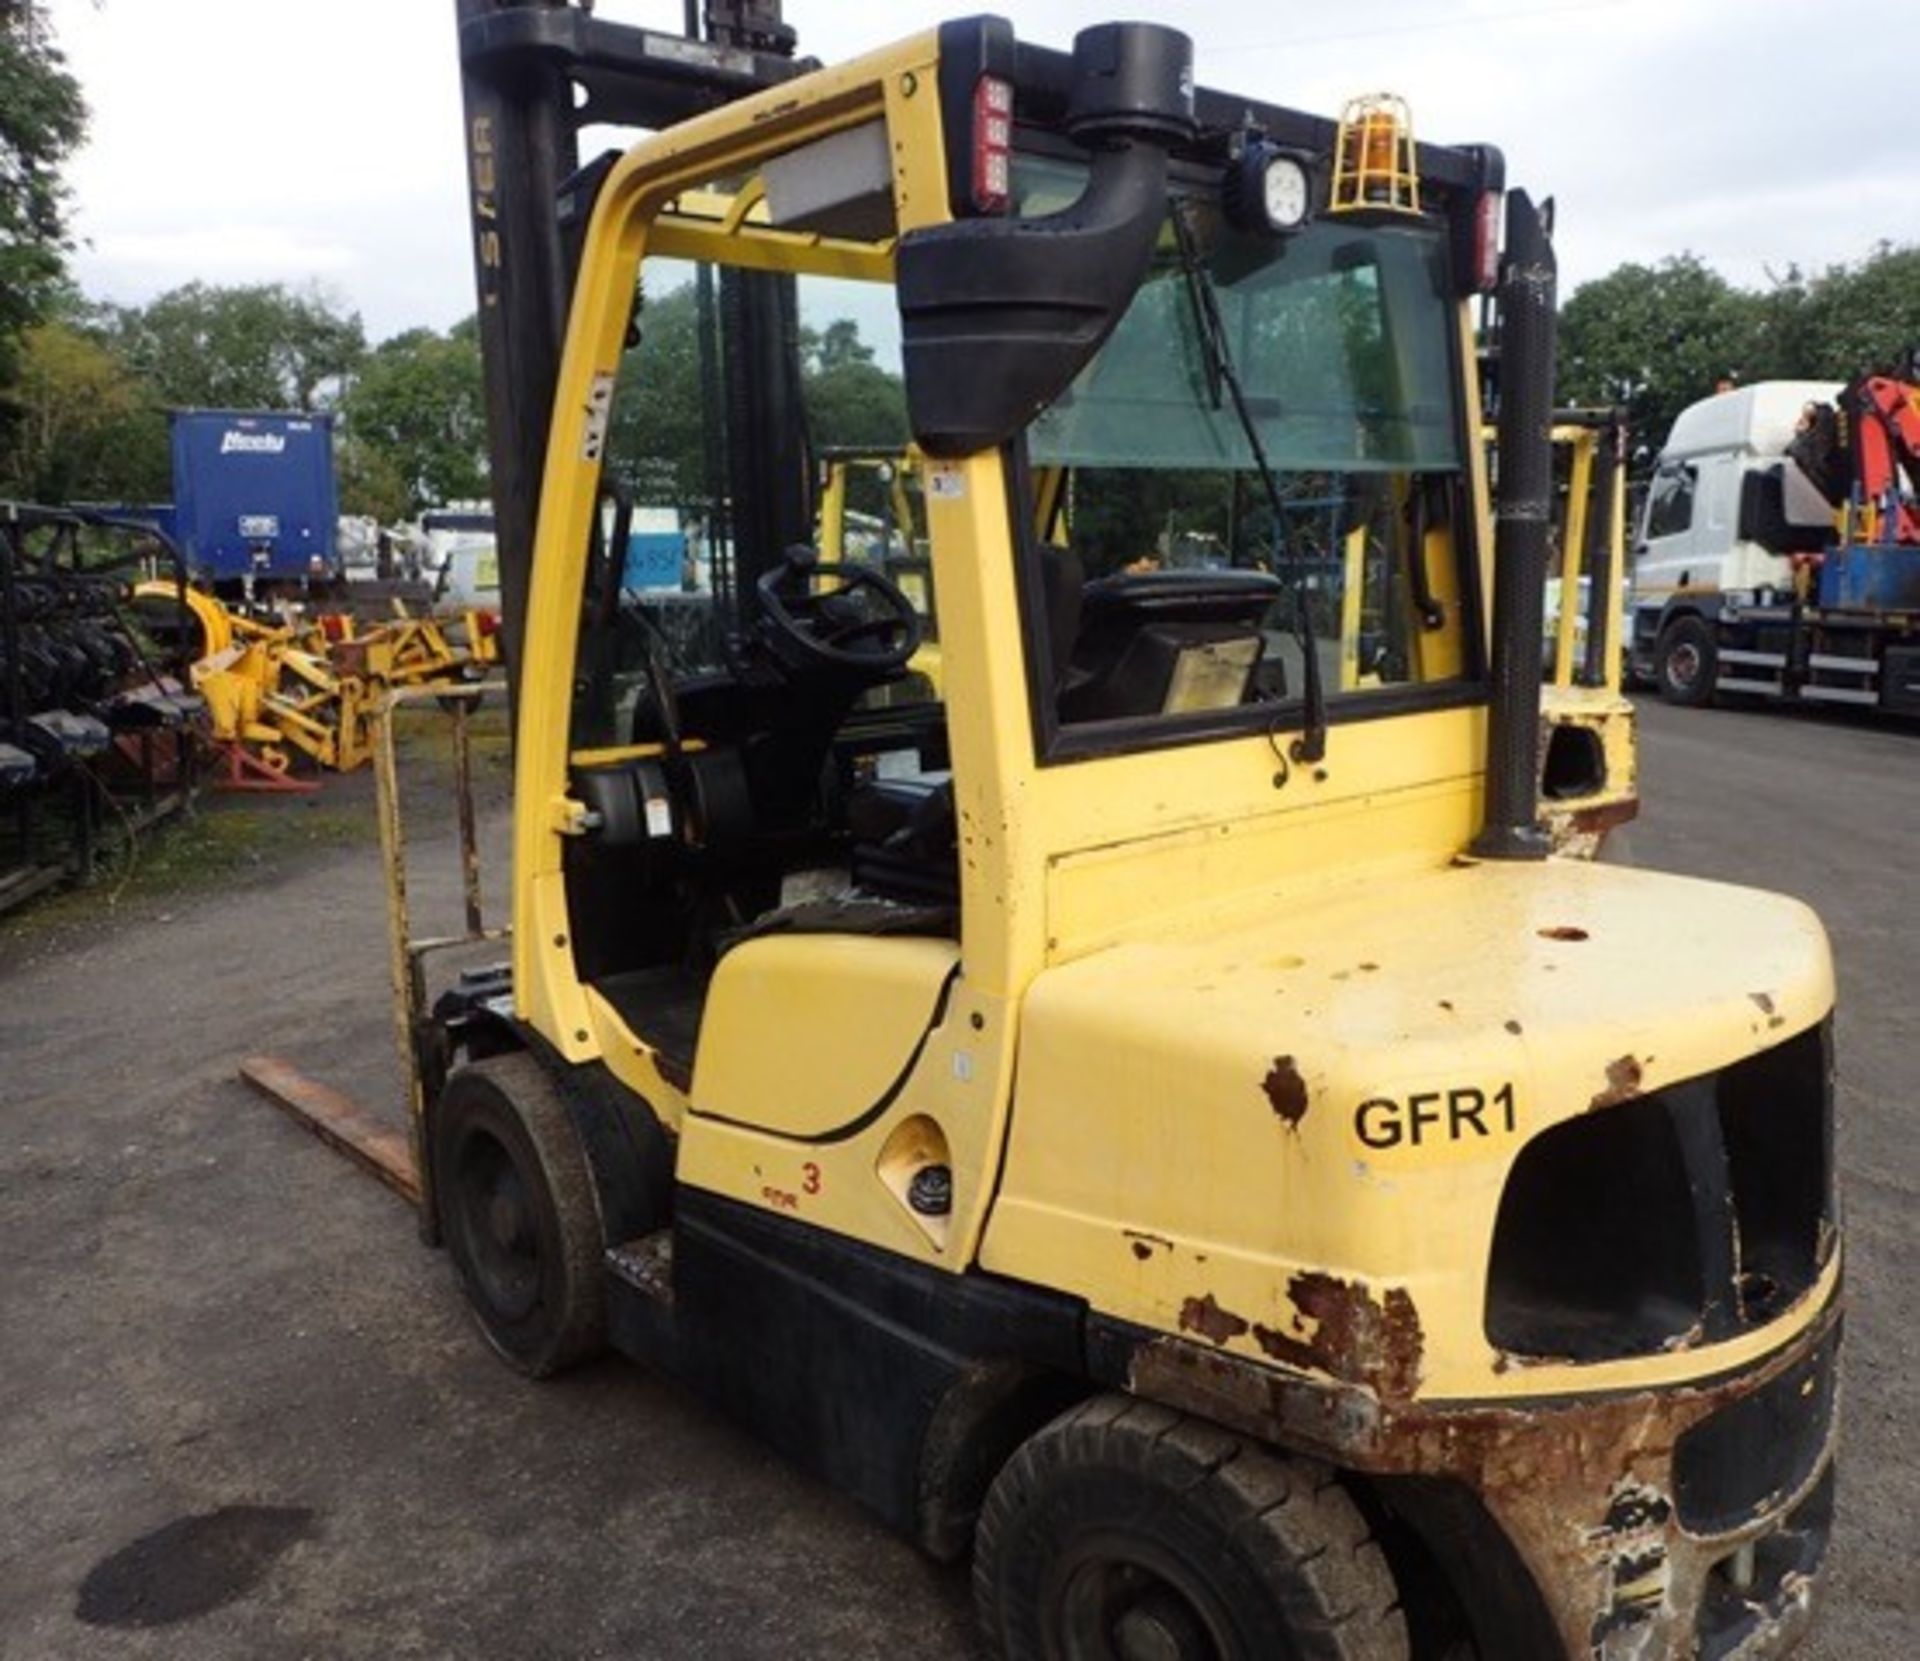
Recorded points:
(254, 498)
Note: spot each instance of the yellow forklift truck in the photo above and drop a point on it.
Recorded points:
(1155, 1120)
(1589, 782)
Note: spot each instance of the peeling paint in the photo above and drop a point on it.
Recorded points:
(1206, 1317)
(1580, 1488)
(1623, 1082)
(1144, 1244)
(1286, 1091)
(1373, 1342)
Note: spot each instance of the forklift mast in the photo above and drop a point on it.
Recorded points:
(533, 74)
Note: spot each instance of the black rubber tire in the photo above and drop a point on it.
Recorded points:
(519, 1214)
(1686, 662)
(1125, 1529)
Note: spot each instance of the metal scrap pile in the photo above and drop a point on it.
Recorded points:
(96, 723)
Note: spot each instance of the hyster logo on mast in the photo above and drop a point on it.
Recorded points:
(233, 441)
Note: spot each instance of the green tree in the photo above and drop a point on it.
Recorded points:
(85, 427)
(656, 441)
(414, 423)
(658, 433)
(371, 481)
(1859, 319)
(256, 346)
(850, 399)
(42, 119)
(1656, 338)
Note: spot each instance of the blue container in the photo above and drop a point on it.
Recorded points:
(1871, 578)
(254, 494)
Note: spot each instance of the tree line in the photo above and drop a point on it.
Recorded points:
(1654, 338)
(84, 383)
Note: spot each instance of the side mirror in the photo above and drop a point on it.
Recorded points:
(1777, 517)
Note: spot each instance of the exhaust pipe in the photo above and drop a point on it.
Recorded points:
(1524, 509)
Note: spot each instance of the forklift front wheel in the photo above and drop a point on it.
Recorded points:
(519, 1215)
(1124, 1531)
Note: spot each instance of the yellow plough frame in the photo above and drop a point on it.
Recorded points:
(277, 689)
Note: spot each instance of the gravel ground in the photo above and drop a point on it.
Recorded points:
(242, 1413)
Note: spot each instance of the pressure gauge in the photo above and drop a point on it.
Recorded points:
(1268, 188)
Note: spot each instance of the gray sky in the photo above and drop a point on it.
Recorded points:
(263, 140)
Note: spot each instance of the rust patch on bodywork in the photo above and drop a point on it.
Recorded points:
(1206, 1317)
(1623, 1082)
(1143, 1243)
(1581, 1487)
(1375, 1342)
(1286, 1091)
(1563, 931)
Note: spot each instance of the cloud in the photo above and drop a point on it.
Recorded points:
(241, 140)
(219, 253)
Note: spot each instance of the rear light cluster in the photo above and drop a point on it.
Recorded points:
(992, 144)
(1486, 242)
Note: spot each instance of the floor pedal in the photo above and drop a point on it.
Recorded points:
(646, 1264)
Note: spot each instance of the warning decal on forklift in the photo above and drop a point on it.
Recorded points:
(946, 481)
(599, 408)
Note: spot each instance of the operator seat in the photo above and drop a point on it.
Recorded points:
(1063, 588)
(906, 839)
(905, 831)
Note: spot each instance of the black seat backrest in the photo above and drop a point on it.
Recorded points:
(1063, 581)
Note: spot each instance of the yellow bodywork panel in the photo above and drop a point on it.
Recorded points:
(947, 1106)
(804, 1033)
(1339, 1084)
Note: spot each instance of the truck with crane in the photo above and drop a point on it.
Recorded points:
(1779, 547)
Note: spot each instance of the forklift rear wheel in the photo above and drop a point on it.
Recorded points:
(1127, 1532)
(1686, 662)
(519, 1214)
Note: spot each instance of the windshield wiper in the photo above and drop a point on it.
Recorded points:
(1312, 742)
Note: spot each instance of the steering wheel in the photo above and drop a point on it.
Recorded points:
(837, 615)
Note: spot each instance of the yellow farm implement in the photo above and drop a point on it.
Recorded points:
(281, 687)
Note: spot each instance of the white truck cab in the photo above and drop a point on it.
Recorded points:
(1696, 552)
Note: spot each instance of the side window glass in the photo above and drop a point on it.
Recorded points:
(1670, 501)
(662, 588)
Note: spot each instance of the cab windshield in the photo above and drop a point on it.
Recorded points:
(1167, 584)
